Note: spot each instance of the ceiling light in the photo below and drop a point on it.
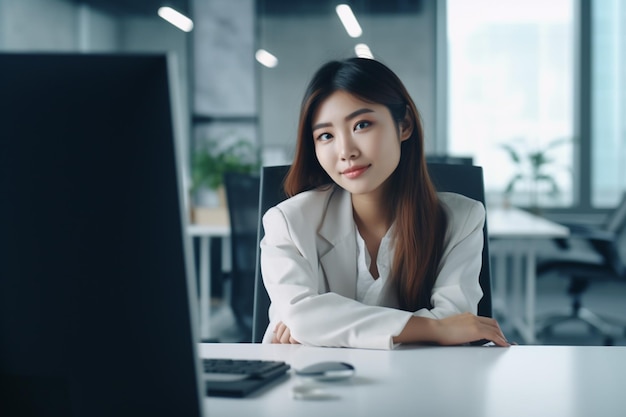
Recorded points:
(266, 58)
(363, 51)
(176, 18)
(349, 20)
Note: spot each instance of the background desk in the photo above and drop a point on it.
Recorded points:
(514, 232)
(205, 233)
(524, 381)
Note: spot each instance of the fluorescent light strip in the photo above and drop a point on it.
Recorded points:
(176, 18)
(349, 20)
(266, 58)
(363, 51)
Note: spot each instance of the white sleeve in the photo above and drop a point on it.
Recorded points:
(457, 289)
(290, 273)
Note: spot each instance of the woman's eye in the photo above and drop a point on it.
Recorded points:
(324, 137)
(361, 125)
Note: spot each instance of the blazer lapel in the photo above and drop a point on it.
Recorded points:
(337, 245)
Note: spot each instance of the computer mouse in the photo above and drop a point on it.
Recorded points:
(327, 371)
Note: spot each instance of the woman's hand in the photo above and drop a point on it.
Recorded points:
(282, 334)
(467, 327)
(454, 330)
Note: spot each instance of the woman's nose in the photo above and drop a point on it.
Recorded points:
(347, 148)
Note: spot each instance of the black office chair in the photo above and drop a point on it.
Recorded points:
(242, 195)
(449, 159)
(461, 179)
(583, 269)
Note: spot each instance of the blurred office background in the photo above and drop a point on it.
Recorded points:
(505, 82)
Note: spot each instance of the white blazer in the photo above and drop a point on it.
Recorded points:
(309, 267)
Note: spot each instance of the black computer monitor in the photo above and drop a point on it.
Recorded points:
(96, 317)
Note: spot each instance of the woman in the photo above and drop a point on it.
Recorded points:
(366, 253)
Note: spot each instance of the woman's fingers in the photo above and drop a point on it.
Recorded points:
(467, 327)
(282, 334)
(284, 337)
(493, 331)
(278, 332)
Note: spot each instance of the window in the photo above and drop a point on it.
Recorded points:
(608, 102)
(511, 84)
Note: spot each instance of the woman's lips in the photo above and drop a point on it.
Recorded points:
(355, 172)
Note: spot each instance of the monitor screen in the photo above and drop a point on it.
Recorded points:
(95, 268)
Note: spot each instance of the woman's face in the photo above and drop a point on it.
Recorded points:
(357, 142)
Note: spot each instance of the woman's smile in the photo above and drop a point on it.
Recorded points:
(355, 171)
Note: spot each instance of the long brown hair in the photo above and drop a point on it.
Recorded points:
(420, 221)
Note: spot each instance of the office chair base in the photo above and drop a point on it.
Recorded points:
(608, 328)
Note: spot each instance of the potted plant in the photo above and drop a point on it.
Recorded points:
(534, 170)
(211, 161)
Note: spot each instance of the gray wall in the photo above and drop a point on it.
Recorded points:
(406, 43)
(224, 82)
(54, 26)
(44, 25)
(224, 58)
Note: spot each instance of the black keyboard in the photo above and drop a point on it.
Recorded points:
(238, 377)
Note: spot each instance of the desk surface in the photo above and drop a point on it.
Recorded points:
(208, 230)
(516, 223)
(520, 381)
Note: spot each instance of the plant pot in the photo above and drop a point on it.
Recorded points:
(206, 197)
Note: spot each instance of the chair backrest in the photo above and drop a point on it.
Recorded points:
(271, 194)
(449, 159)
(611, 249)
(458, 178)
(242, 196)
(468, 180)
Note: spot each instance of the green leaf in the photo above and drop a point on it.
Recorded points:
(512, 152)
(209, 163)
(511, 185)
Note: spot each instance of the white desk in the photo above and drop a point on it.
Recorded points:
(205, 233)
(515, 232)
(524, 381)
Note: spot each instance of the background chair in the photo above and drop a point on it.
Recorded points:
(589, 254)
(462, 179)
(242, 195)
(449, 159)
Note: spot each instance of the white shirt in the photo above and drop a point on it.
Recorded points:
(368, 289)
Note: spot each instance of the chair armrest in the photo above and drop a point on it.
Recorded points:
(595, 236)
(603, 242)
